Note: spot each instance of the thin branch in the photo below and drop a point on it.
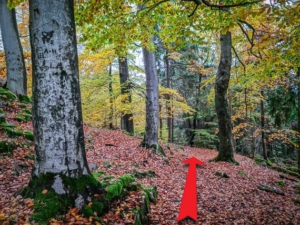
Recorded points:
(197, 5)
(229, 6)
(237, 56)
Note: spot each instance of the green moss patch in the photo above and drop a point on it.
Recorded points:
(141, 174)
(49, 204)
(7, 147)
(280, 183)
(7, 95)
(11, 130)
(24, 99)
(117, 187)
(23, 117)
(94, 207)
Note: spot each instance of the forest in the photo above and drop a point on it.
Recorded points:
(107, 107)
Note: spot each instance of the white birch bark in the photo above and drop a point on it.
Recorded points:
(57, 115)
(15, 65)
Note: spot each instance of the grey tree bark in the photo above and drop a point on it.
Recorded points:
(57, 114)
(221, 101)
(127, 118)
(169, 98)
(15, 65)
(152, 104)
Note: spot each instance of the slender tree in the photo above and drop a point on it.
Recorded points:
(15, 65)
(152, 104)
(127, 118)
(221, 101)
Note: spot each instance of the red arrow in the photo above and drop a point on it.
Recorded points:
(188, 205)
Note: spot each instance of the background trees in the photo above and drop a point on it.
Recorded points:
(187, 55)
(15, 65)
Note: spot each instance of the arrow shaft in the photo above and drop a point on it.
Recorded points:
(189, 199)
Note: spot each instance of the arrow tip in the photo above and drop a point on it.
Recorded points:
(193, 160)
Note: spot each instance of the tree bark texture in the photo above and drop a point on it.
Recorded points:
(127, 118)
(152, 105)
(221, 101)
(262, 111)
(298, 73)
(15, 65)
(57, 113)
(111, 100)
(168, 99)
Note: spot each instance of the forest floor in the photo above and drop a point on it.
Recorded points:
(233, 200)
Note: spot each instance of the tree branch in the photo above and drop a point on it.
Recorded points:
(229, 6)
(196, 7)
(237, 56)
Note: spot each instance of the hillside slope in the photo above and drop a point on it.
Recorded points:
(233, 200)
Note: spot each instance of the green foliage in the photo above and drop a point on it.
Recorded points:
(7, 95)
(23, 117)
(14, 3)
(11, 130)
(24, 99)
(283, 105)
(280, 182)
(116, 188)
(205, 138)
(7, 146)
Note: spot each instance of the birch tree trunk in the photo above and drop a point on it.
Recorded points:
(127, 118)
(152, 105)
(15, 65)
(221, 101)
(60, 160)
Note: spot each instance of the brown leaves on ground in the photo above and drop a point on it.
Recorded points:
(235, 200)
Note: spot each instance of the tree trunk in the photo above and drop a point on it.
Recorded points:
(15, 65)
(127, 118)
(151, 134)
(111, 100)
(168, 99)
(221, 101)
(57, 115)
(262, 117)
(298, 73)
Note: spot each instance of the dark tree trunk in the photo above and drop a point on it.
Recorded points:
(221, 101)
(262, 118)
(160, 123)
(57, 114)
(15, 65)
(246, 105)
(298, 73)
(127, 118)
(111, 100)
(152, 108)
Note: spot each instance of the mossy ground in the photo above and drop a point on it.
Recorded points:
(48, 204)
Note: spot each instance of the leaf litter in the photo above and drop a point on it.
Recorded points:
(233, 200)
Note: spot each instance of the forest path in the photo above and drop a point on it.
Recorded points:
(233, 200)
